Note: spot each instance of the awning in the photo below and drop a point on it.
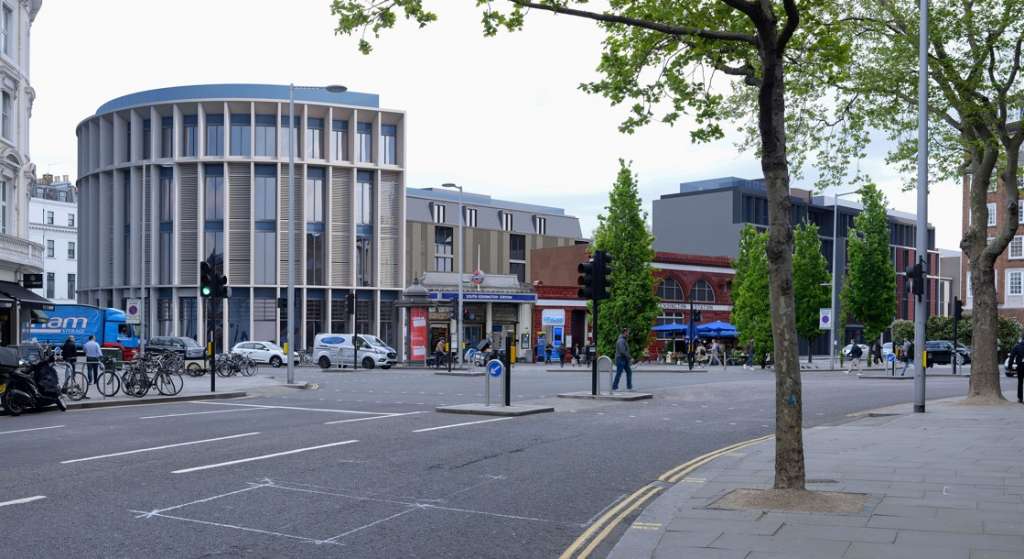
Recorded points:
(24, 296)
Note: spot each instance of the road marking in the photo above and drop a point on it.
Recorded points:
(252, 486)
(372, 418)
(198, 413)
(461, 424)
(612, 512)
(680, 471)
(23, 501)
(236, 527)
(262, 457)
(325, 410)
(162, 447)
(27, 430)
(370, 525)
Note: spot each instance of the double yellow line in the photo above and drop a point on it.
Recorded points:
(607, 522)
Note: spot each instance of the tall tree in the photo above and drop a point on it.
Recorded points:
(810, 282)
(665, 56)
(974, 68)
(622, 233)
(869, 289)
(751, 294)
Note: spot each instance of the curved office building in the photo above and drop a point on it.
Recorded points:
(171, 177)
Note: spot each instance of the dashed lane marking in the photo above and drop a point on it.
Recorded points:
(261, 457)
(461, 424)
(162, 447)
(324, 410)
(199, 413)
(22, 501)
(372, 418)
(27, 430)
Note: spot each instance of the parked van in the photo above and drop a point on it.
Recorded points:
(336, 350)
(81, 321)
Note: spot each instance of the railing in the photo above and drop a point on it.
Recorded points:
(21, 252)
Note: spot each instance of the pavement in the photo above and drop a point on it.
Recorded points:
(948, 483)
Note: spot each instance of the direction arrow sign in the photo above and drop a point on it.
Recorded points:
(495, 368)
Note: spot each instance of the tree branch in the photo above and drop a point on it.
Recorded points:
(676, 30)
(792, 22)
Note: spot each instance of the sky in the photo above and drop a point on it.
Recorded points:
(501, 116)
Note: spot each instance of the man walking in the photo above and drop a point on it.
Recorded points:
(855, 354)
(717, 354)
(1017, 356)
(92, 358)
(69, 351)
(622, 359)
(908, 355)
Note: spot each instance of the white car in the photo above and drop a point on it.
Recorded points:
(263, 352)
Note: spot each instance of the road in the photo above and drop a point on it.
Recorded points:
(363, 466)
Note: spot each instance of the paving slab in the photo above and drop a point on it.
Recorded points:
(498, 410)
(618, 396)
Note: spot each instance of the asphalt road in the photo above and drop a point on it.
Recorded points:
(363, 467)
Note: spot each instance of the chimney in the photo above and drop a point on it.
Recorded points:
(47, 178)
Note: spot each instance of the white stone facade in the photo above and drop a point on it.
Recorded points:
(53, 223)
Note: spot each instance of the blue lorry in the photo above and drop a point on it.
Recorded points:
(81, 321)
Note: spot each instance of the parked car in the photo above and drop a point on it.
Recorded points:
(263, 352)
(337, 350)
(863, 351)
(941, 352)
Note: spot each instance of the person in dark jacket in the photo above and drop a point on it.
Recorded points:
(69, 351)
(1017, 355)
(908, 356)
(622, 361)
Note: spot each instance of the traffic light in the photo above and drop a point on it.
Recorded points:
(958, 308)
(220, 287)
(586, 279)
(696, 316)
(915, 278)
(205, 279)
(603, 274)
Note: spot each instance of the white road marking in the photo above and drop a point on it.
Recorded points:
(461, 424)
(372, 418)
(162, 447)
(198, 413)
(23, 501)
(262, 457)
(325, 410)
(27, 430)
(205, 500)
(242, 528)
(370, 525)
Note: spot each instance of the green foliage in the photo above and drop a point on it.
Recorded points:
(869, 292)
(902, 330)
(751, 301)
(941, 328)
(622, 233)
(810, 279)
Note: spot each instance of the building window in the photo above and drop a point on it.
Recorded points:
(71, 250)
(7, 116)
(214, 248)
(1020, 211)
(517, 256)
(1016, 248)
(518, 269)
(469, 217)
(702, 292)
(990, 208)
(315, 195)
(265, 256)
(364, 138)
(506, 221)
(166, 197)
(364, 199)
(266, 193)
(364, 261)
(240, 140)
(7, 28)
(669, 290)
(296, 149)
(167, 137)
(51, 285)
(540, 225)
(3, 207)
(71, 220)
(49, 248)
(339, 140)
(165, 256)
(444, 249)
(189, 140)
(315, 138)
(71, 286)
(49, 217)
(315, 258)
(438, 211)
(389, 141)
(147, 140)
(214, 134)
(266, 136)
(128, 141)
(1013, 282)
(214, 194)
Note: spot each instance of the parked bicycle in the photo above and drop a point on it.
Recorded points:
(143, 375)
(230, 364)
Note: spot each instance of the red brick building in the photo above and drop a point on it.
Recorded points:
(1009, 266)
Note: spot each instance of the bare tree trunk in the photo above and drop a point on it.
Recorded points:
(789, 448)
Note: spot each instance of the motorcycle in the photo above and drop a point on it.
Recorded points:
(25, 386)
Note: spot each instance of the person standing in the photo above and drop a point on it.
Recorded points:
(92, 358)
(908, 355)
(749, 363)
(855, 354)
(69, 351)
(1017, 355)
(622, 361)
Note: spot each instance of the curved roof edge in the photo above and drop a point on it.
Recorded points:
(237, 91)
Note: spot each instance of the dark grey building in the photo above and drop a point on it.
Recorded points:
(705, 217)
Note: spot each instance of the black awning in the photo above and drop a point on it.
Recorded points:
(22, 295)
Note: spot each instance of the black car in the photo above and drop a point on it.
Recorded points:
(940, 352)
(187, 347)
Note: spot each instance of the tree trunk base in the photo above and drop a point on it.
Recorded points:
(792, 500)
(985, 400)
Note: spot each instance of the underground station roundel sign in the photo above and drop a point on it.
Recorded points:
(477, 278)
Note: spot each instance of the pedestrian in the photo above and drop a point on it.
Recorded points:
(92, 358)
(69, 351)
(561, 356)
(1017, 356)
(908, 355)
(438, 352)
(576, 354)
(717, 354)
(690, 352)
(622, 361)
(749, 363)
(878, 352)
(548, 350)
(855, 354)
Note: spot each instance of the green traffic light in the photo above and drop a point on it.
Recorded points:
(206, 291)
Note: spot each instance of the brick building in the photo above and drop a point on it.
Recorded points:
(1009, 267)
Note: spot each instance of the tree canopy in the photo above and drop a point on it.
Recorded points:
(869, 289)
(750, 294)
(810, 280)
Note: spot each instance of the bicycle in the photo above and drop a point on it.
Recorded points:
(148, 373)
(76, 385)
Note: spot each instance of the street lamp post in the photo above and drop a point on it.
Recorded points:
(834, 301)
(921, 304)
(290, 334)
(462, 249)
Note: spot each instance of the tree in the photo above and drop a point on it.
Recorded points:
(622, 233)
(869, 291)
(810, 282)
(667, 56)
(974, 64)
(751, 293)
(902, 330)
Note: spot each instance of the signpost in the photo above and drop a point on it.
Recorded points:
(133, 311)
(825, 319)
(891, 358)
(495, 368)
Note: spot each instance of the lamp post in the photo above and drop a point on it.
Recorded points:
(921, 304)
(834, 301)
(292, 219)
(462, 249)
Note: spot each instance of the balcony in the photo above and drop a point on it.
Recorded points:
(20, 254)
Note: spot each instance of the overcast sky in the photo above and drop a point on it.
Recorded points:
(502, 116)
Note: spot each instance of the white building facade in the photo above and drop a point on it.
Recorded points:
(172, 177)
(53, 223)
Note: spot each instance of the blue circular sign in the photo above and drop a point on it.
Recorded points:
(495, 368)
(890, 358)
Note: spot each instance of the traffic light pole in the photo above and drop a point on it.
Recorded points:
(209, 347)
(593, 363)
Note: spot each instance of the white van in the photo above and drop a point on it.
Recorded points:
(336, 350)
